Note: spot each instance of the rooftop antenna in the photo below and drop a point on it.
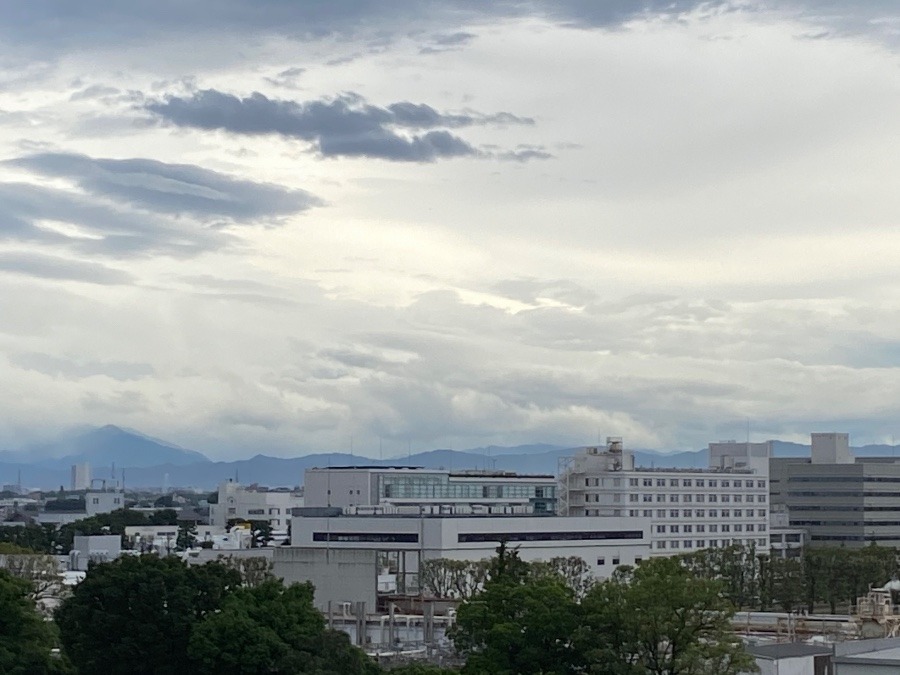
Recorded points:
(351, 447)
(380, 450)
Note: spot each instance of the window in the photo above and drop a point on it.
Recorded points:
(686, 482)
(660, 498)
(648, 482)
(96, 500)
(673, 482)
(632, 513)
(673, 529)
(713, 528)
(750, 527)
(688, 528)
(726, 513)
(688, 498)
(737, 483)
(713, 498)
(673, 498)
(587, 483)
(713, 483)
(749, 498)
(632, 498)
(601, 561)
(700, 482)
(616, 560)
(116, 500)
(701, 498)
(674, 544)
(701, 513)
(726, 527)
(738, 513)
(726, 483)
(633, 482)
(688, 543)
(761, 513)
(660, 544)
(660, 482)
(660, 513)
(726, 498)
(687, 513)
(761, 484)
(648, 498)
(760, 498)
(738, 499)
(638, 560)
(660, 529)
(701, 528)
(648, 513)
(256, 512)
(701, 543)
(761, 542)
(738, 527)
(762, 528)
(713, 513)
(673, 513)
(274, 512)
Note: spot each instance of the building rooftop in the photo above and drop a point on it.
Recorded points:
(458, 473)
(787, 650)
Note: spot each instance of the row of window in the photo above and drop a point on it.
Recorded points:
(711, 543)
(713, 527)
(699, 513)
(696, 482)
(687, 499)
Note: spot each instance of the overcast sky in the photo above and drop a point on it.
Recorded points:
(287, 226)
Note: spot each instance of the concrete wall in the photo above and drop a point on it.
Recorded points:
(801, 665)
(338, 575)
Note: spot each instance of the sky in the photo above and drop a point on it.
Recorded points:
(288, 227)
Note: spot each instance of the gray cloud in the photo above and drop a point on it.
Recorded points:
(51, 267)
(171, 188)
(346, 126)
(76, 369)
(133, 207)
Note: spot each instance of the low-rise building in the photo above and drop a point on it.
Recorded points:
(371, 486)
(252, 502)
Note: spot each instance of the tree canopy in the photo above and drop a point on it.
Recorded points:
(26, 640)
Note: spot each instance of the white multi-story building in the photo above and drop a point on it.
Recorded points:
(378, 486)
(603, 543)
(239, 502)
(688, 509)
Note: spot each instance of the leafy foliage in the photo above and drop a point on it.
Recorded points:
(135, 615)
(273, 629)
(25, 638)
(659, 618)
(520, 623)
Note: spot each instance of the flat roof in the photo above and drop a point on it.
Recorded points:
(879, 657)
(457, 473)
(786, 650)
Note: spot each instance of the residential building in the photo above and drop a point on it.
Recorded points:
(252, 502)
(688, 509)
(97, 548)
(103, 501)
(378, 486)
(837, 499)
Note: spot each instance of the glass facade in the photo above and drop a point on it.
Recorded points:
(437, 487)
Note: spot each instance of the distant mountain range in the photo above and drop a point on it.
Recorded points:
(149, 462)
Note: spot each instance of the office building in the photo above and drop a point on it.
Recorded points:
(377, 486)
(237, 502)
(838, 499)
(688, 509)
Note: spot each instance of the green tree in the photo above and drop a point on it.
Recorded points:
(187, 536)
(520, 624)
(135, 615)
(25, 638)
(661, 619)
(273, 629)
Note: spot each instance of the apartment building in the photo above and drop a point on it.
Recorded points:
(688, 509)
(378, 486)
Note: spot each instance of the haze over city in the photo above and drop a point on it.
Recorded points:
(309, 227)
